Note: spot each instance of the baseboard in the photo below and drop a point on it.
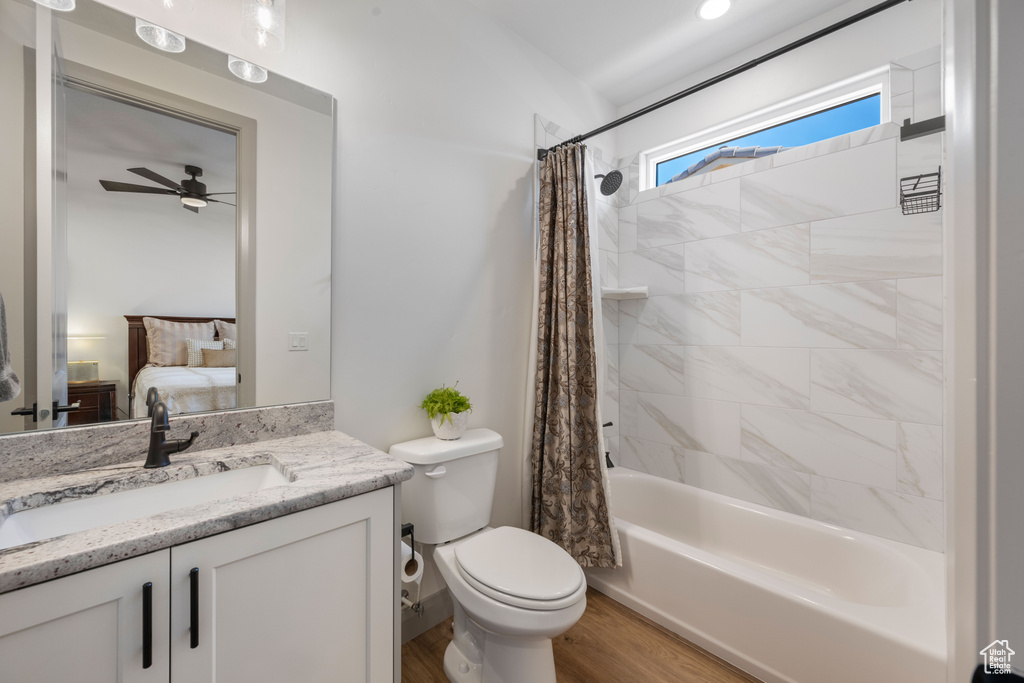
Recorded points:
(436, 608)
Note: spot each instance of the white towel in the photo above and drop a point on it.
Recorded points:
(10, 385)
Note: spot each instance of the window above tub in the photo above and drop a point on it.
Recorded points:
(860, 102)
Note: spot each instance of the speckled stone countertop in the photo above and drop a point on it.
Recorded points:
(323, 467)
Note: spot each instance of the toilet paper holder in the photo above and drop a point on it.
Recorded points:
(408, 530)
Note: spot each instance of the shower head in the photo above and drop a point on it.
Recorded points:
(610, 183)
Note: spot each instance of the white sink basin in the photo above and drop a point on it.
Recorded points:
(50, 521)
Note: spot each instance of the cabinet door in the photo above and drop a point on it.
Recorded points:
(88, 627)
(305, 597)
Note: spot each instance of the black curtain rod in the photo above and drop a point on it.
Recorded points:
(871, 11)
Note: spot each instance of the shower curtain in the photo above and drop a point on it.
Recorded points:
(570, 502)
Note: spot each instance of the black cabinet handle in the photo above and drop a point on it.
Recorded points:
(147, 625)
(193, 609)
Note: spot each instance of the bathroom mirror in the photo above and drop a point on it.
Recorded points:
(84, 99)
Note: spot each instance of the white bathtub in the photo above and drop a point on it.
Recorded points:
(781, 596)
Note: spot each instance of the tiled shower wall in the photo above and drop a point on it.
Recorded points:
(790, 352)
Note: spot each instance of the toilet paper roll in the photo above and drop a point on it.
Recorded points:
(412, 565)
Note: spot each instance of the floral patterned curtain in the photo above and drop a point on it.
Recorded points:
(570, 505)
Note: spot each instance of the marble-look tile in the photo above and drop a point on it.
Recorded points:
(815, 149)
(893, 385)
(919, 324)
(692, 215)
(778, 377)
(610, 322)
(655, 369)
(847, 315)
(881, 245)
(919, 60)
(634, 178)
(769, 258)
(609, 273)
(900, 517)
(867, 136)
(708, 426)
(57, 451)
(852, 449)
(629, 312)
(607, 226)
(610, 412)
(901, 80)
(708, 318)
(927, 92)
(661, 460)
(920, 155)
(661, 269)
(780, 489)
(628, 403)
(852, 181)
(920, 460)
(627, 228)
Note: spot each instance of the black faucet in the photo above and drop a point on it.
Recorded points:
(152, 398)
(159, 446)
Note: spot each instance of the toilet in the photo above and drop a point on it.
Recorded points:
(513, 590)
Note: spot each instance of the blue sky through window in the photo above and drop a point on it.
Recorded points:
(862, 113)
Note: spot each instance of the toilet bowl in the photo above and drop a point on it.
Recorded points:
(512, 590)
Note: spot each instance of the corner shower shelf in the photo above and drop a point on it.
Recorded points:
(620, 293)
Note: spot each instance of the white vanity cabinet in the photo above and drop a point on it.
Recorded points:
(306, 597)
(88, 627)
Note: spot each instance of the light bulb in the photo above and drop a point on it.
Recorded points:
(263, 22)
(247, 71)
(197, 202)
(712, 9)
(158, 37)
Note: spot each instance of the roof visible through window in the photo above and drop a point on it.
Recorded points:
(828, 123)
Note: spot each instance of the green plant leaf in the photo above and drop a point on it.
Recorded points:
(444, 402)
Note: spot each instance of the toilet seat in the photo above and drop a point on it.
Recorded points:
(521, 569)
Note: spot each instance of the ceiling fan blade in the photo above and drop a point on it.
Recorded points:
(114, 186)
(155, 177)
(219, 201)
(193, 209)
(209, 194)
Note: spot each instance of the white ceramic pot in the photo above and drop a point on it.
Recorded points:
(450, 430)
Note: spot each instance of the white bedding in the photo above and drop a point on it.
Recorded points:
(184, 389)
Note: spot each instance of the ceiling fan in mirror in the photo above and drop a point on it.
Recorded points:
(192, 192)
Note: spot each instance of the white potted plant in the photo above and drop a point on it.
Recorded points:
(448, 410)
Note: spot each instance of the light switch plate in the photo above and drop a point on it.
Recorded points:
(298, 341)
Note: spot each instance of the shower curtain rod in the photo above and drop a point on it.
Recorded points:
(870, 11)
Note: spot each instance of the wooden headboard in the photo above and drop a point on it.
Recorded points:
(138, 347)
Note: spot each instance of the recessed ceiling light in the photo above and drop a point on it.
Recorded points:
(247, 71)
(158, 37)
(712, 9)
(59, 5)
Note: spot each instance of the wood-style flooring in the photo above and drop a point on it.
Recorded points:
(610, 644)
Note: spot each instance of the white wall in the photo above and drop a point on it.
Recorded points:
(886, 37)
(433, 222)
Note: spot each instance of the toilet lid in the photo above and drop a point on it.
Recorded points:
(519, 564)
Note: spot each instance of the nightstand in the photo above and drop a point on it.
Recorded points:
(98, 402)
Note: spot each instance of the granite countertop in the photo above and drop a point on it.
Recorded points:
(323, 467)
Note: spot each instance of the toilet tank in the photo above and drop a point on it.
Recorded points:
(451, 491)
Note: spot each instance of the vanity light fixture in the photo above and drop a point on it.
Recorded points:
(59, 5)
(158, 37)
(176, 5)
(712, 9)
(263, 23)
(247, 71)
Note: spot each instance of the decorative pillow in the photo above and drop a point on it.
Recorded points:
(196, 348)
(166, 340)
(229, 344)
(213, 358)
(225, 330)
